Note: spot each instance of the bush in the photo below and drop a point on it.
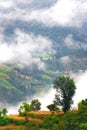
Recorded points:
(51, 122)
(20, 122)
(24, 109)
(32, 126)
(33, 115)
(35, 105)
(5, 121)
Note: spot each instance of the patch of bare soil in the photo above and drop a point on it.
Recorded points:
(12, 127)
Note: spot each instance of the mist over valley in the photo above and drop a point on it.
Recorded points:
(39, 41)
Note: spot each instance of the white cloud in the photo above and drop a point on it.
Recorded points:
(81, 91)
(80, 94)
(46, 98)
(69, 41)
(65, 60)
(62, 13)
(5, 53)
(72, 44)
(6, 4)
(23, 47)
(24, 1)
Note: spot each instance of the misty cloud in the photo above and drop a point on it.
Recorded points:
(47, 98)
(64, 13)
(65, 60)
(61, 13)
(5, 4)
(69, 41)
(72, 44)
(81, 85)
(24, 1)
(22, 48)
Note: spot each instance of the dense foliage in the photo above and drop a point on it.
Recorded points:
(71, 120)
(24, 109)
(65, 89)
(53, 107)
(35, 105)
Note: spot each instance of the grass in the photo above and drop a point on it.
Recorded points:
(5, 83)
(12, 127)
(3, 75)
(5, 68)
(44, 76)
(44, 56)
(50, 72)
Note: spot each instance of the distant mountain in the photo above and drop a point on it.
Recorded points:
(69, 56)
(35, 49)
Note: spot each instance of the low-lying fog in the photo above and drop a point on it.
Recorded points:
(46, 98)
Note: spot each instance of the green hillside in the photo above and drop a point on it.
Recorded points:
(14, 86)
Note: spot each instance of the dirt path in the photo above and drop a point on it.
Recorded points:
(39, 115)
(17, 117)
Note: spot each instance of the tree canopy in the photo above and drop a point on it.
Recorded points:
(82, 105)
(24, 109)
(65, 90)
(35, 105)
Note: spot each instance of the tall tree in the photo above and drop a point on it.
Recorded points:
(65, 90)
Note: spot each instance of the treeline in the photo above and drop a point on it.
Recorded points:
(71, 120)
(58, 119)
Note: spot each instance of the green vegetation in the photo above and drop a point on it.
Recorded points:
(57, 119)
(53, 107)
(4, 119)
(44, 56)
(3, 75)
(71, 120)
(24, 109)
(82, 105)
(6, 84)
(65, 89)
(45, 77)
(35, 105)
(5, 68)
(15, 86)
(27, 81)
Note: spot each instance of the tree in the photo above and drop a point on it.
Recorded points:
(4, 112)
(65, 90)
(70, 121)
(53, 107)
(35, 105)
(82, 105)
(24, 109)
